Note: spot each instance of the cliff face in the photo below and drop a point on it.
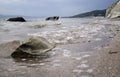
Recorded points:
(114, 10)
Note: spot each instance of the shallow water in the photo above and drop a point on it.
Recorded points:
(76, 42)
(55, 31)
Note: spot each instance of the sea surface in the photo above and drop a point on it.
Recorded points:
(76, 40)
(66, 30)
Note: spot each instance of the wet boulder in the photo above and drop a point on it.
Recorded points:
(52, 18)
(35, 46)
(17, 19)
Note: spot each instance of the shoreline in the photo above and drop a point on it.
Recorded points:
(108, 64)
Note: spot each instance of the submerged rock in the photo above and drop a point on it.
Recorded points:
(35, 46)
(114, 10)
(17, 19)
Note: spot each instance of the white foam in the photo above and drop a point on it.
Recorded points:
(23, 59)
(34, 64)
(77, 71)
(42, 64)
(66, 54)
(53, 53)
(85, 76)
(85, 56)
(56, 61)
(85, 61)
(90, 70)
(69, 38)
(78, 58)
(98, 39)
(57, 49)
(71, 34)
(83, 66)
(56, 65)
(11, 69)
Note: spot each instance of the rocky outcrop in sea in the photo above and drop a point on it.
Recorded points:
(17, 19)
(52, 18)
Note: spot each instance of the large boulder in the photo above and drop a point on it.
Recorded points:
(35, 46)
(17, 19)
(52, 18)
(114, 10)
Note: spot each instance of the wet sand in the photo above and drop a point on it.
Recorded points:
(109, 59)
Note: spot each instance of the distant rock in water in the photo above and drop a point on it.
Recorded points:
(114, 10)
(94, 13)
(52, 18)
(17, 19)
(35, 46)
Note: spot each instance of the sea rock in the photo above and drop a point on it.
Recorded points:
(17, 19)
(114, 10)
(35, 46)
(52, 18)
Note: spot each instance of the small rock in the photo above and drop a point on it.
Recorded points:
(114, 52)
(89, 40)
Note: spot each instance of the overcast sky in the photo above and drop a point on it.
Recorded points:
(51, 7)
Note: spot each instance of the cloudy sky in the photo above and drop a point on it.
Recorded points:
(51, 7)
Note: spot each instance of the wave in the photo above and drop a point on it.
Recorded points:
(69, 35)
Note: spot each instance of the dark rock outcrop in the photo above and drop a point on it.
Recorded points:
(52, 18)
(17, 19)
(114, 10)
(35, 46)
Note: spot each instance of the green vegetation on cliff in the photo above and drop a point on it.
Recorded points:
(91, 13)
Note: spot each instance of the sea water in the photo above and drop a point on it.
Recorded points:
(77, 42)
(63, 31)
